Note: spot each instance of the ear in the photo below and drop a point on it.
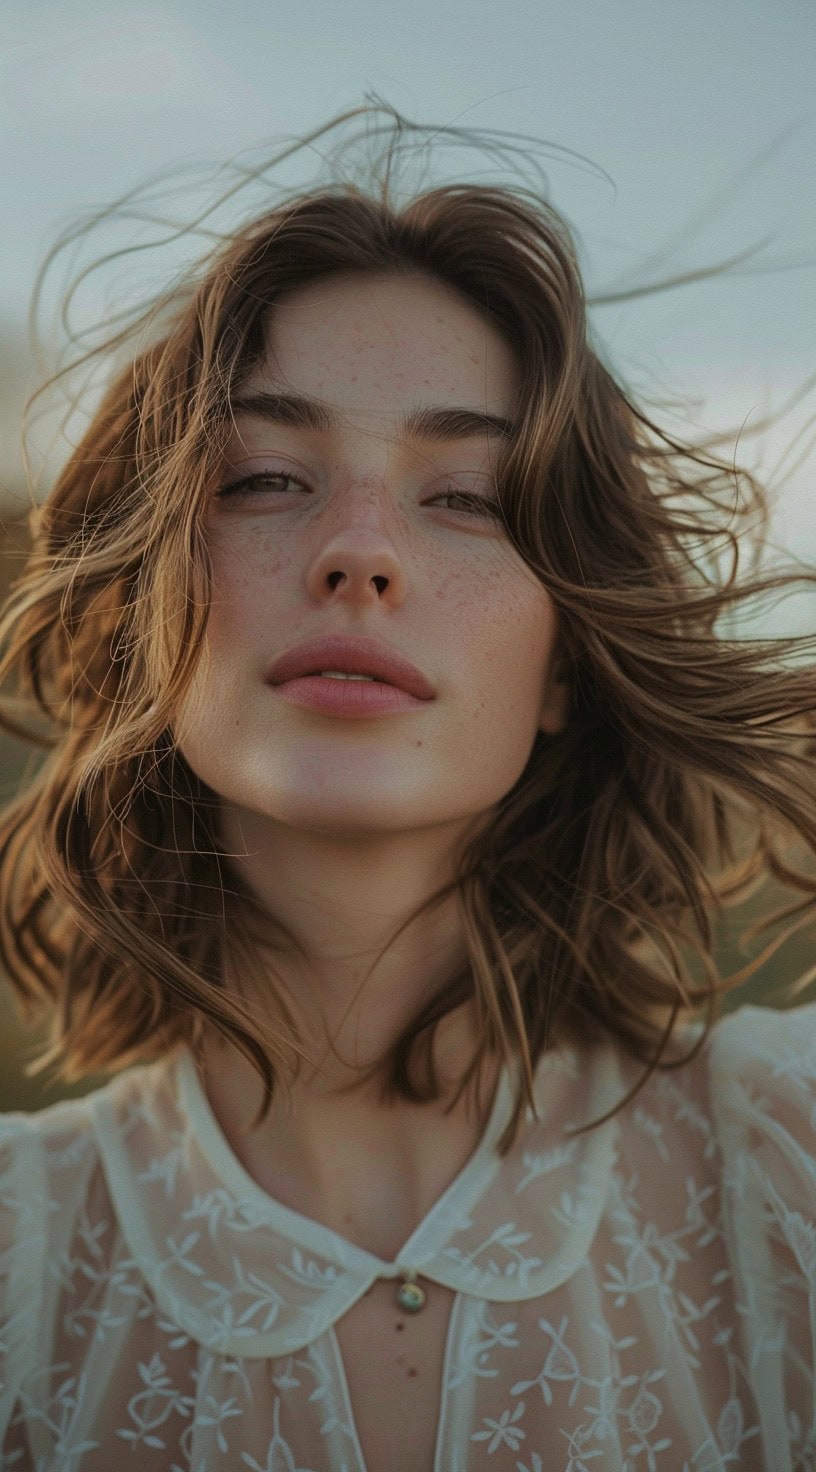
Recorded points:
(556, 704)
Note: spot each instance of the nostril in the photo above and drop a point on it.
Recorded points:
(381, 584)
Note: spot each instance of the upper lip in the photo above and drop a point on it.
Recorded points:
(353, 656)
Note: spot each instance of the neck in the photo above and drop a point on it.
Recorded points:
(340, 899)
(318, 1150)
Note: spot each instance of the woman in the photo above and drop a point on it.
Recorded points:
(399, 761)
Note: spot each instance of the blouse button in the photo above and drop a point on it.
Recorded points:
(410, 1296)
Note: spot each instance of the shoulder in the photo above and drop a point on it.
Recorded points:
(57, 1168)
(52, 1186)
(62, 1238)
(41, 1185)
(736, 1129)
(34, 1148)
(53, 1160)
(758, 1036)
(762, 1068)
(45, 1160)
(762, 1064)
(762, 1081)
(21, 1188)
(740, 1114)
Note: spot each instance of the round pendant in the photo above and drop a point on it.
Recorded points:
(410, 1296)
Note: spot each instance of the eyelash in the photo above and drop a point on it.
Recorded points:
(484, 505)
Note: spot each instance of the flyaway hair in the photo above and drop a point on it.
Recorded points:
(683, 780)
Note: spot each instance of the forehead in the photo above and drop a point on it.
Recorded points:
(373, 342)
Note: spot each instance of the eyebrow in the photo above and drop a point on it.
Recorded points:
(430, 423)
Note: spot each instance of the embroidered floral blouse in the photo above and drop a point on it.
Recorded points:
(640, 1297)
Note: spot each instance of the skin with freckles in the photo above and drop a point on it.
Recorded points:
(341, 826)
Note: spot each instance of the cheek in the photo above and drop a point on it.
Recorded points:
(242, 630)
(508, 633)
(504, 655)
(242, 599)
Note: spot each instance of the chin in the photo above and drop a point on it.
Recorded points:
(347, 819)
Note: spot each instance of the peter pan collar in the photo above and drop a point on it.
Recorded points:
(245, 1275)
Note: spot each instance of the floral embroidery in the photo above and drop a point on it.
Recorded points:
(502, 1432)
(637, 1298)
(560, 1364)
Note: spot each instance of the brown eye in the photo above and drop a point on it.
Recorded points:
(260, 481)
(479, 505)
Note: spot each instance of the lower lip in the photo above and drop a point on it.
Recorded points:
(354, 699)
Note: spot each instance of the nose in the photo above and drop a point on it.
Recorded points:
(358, 563)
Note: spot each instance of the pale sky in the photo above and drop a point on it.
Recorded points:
(700, 113)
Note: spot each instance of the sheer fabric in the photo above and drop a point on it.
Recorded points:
(641, 1298)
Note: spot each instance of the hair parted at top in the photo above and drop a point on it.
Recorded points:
(683, 778)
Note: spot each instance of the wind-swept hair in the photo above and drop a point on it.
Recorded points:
(684, 776)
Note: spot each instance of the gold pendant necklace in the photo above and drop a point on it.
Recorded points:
(409, 1295)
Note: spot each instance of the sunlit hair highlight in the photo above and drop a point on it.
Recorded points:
(683, 779)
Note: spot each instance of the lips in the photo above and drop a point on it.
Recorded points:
(353, 656)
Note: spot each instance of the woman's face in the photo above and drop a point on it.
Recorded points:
(357, 531)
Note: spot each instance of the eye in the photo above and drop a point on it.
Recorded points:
(260, 481)
(473, 503)
(270, 480)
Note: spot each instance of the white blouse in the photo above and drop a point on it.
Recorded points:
(641, 1298)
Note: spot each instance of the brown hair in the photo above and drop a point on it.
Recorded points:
(683, 777)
